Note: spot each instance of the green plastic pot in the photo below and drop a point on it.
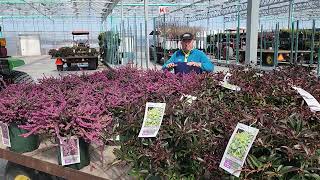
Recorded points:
(84, 156)
(21, 144)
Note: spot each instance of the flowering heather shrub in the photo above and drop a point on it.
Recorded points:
(85, 105)
(15, 103)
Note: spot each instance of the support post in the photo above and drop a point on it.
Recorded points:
(154, 42)
(318, 65)
(136, 38)
(238, 33)
(261, 45)
(147, 53)
(276, 47)
(291, 2)
(312, 41)
(252, 31)
(292, 42)
(297, 44)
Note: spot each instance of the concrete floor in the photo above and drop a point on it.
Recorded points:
(43, 66)
(3, 164)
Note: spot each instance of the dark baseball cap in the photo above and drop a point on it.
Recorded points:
(186, 36)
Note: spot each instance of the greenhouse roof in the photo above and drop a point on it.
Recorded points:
(192, 9)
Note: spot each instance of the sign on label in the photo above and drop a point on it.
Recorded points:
(163, 10)
(5, 134)
(238, 148)
(69, 151)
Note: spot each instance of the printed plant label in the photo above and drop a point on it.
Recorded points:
(5, 134)
(152, 119)
(238, 148)
(230, 86)
(69, 151)
(310, 100)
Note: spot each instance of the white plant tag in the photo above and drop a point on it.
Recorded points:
(152, 119)
(230, 86)
(310, 100)
(227, 85)
(5, 134)
(189, 98)
(69, 151)
(238, 148)
(226, 77)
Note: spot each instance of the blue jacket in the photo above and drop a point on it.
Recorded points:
(194, 56)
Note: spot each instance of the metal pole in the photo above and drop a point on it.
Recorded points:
(220, 47)
(252, 31)
(141, 57)
(238, 33)
(165, 37)
(312, 40)
(228, 45)
(261, 44)
(131, 46)
(122, 33)
(136, 38)
(146, 32)
(292, 42)
(154, 42)
(211, 44)
(116, 53)
(297, 45)
(276, 48)
(318, 68)
(291, 2)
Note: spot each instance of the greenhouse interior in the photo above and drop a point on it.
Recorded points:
(160, 89)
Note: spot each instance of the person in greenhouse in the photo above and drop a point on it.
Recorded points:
(189, 56)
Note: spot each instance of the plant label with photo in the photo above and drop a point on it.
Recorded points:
(69, 151)
(310, 100)
(152, 119)
(5, 134)
(238, 148)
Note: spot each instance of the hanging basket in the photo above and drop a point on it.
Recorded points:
(21, 144)
(84, 156)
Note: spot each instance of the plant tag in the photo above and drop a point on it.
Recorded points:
(238, 148)
(152, 119)
(69, 151)
(230, 86)
(227, 85)
(227, 77)
(188, 98)
(310, 100)
(5, 134)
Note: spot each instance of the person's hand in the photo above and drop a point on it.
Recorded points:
(171, 65)
(196, 64)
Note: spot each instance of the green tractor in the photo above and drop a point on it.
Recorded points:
(7, 64)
